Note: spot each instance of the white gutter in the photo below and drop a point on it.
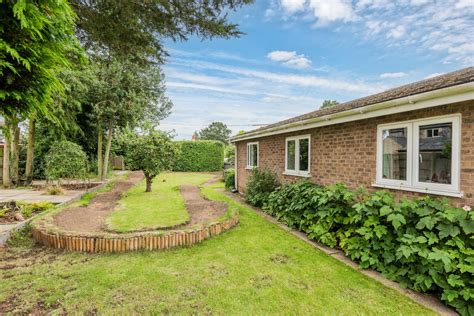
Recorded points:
(454, 94)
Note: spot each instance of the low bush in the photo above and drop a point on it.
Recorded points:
(262, 182)
(66, 160)
(229, 179)
(196, 156)
(423, 243)
(53, 190)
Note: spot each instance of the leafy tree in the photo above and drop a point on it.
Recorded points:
(215, 131)
(134, 29)
(328, 103)
(124, 94)
(151, 152)
(36, 39)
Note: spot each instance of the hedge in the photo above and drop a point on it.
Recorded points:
(424, 243)
(202, 155)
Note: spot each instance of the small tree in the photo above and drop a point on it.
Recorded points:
(66, 160)
(152, 153)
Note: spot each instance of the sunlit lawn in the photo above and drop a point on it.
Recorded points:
(255, 268)
(163, 207)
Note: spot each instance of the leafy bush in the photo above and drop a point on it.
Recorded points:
(229, 152)
(202, 155)
(423, 243)
(229, 179)
(262, 182)
(29, 209)
(54, 190)
(66, 160)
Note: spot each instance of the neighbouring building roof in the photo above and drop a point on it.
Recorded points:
(455, 78)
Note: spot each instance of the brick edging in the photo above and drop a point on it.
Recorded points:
(133, 242)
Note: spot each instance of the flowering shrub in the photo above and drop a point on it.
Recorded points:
(423, 243)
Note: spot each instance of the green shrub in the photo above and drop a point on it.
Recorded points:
(203, 155)
(66, 160)
(229, 179)
(424, 243)
(262, 182)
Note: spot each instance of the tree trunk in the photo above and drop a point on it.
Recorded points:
(149, 180)
(99, 153)
(107, 149)
(30, 151)
(15, 153)
(6, 161)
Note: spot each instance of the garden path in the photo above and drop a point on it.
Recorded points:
(91, 218)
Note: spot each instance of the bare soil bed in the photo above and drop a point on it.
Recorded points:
(91, 218)
(200, 209)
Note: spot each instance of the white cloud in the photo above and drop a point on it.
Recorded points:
(288, 58)
(396, 32)
(441, 28)
(292, 6)
(436, 74)
(393, 75)
(327, 11)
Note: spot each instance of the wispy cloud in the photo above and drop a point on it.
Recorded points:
(436, 74)
(291, 59)
(393, 75)
(442, 27)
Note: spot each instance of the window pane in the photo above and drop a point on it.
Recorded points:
(255, 155)
(394, 153)
(304, 152)
(290, 155)
(434, 161)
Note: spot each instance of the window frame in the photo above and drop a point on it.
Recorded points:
(297, 171)
(248, 166)
(412, 183)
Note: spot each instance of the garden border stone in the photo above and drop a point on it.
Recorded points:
(131, 242)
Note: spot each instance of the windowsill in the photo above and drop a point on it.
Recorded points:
(251, 167)
(419, 190)
(295, 174)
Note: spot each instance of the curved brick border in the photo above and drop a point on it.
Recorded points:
(131, 242)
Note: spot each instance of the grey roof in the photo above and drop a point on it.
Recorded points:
(439, 82)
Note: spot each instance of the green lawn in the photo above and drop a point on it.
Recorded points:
(255, 268)
(163, 207)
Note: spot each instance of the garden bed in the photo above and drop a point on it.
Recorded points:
(15, 212)
(82, 226)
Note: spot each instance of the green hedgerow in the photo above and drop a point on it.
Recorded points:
(198, 156)
(424, 244)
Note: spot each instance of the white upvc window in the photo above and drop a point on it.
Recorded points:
(420, 155)
(252, 155)
(298, 155)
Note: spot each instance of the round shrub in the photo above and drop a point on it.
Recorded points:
(262, 182)
(66, 160)
(229, 179)
(203, 155)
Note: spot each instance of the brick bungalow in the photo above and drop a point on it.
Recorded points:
(416, 139)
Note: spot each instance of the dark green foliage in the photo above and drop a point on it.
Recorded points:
(65, 160)
(215, 131)
(229, 179)
(135, 29)
(262, 182)
(36, 41)
(203, 155)
(424, 243)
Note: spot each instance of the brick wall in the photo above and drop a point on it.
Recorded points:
(346, 152)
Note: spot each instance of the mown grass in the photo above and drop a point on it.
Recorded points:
(163, 207)
(255, 268)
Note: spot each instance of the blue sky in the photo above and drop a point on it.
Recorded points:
(297, 53)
